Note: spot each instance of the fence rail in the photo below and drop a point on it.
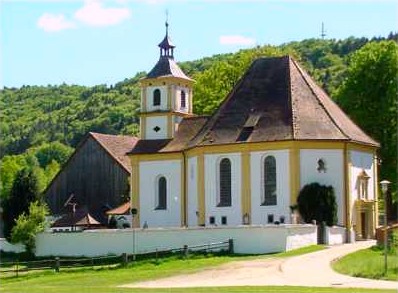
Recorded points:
(17, 267)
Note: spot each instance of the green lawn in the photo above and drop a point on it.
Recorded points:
(368, 263)
(107, 279)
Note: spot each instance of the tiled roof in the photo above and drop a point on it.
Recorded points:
(187, 129)
(120, 210)
(166, 67)
(274, 101)
(117, 146)
(80, 218)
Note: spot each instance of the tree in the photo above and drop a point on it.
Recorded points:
(25, 189)
(29, 225)
(318, 202)
(370, 94)
(55, 151)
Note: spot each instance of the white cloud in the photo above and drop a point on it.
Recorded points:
(54, 22)
(237, 40)
(94, 14)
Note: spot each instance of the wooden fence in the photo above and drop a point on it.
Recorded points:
(16, 268)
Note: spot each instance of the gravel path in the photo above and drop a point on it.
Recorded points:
(311, 269)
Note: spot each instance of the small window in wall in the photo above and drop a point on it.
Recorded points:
(156, 97)
(224, 220)
(183, 100)
(225, 197)
(161, 194)
(282, 219)
(321, 166)
(269, 181)
(212, 220)
(362, 185)
(270, 218)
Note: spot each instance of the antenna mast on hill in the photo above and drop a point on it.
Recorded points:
(323, 31)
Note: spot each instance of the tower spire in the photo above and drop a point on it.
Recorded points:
(166, 46)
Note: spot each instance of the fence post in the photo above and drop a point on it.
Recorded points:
(57, 264)
(16, 268)
(156, 256)
(230, 246)
(124, 259)
(185, 250)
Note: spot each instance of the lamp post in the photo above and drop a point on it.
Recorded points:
(133, 213)
(384, 188)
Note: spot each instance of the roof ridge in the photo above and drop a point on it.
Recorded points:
(307, 79)
(213, 118)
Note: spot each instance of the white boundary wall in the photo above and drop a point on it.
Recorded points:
(247, 240)
(8, 247)
(335, 235)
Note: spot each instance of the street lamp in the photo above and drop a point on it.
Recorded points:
(384, 188)
(133, 213)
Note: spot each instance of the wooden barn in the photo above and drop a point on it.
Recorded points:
(95, 178)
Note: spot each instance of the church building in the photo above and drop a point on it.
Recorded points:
(274, 133)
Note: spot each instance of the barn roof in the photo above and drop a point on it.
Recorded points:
(120, 210)
(80, 218)
(117, 146)
(277, 100)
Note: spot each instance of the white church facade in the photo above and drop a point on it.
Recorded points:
(245, 165)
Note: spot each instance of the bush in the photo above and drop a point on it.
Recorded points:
(318, 202)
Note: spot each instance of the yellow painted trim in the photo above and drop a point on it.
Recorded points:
(142, 127)
(362, 148)
(246, 185)
(161, 81)
(201, 190)
(135, 189)
(294, 166)
(170, 132)
(376, 189)
(347, 186)
(157, 157)
(260, 146)
(164, 113)
(182, 193)
(143, 99)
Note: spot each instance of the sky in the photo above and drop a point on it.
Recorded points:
(90, 42)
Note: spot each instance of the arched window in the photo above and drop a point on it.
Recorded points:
(183, 100)
(225, 183)
(269, 193)
(156, 97)
(162, 194)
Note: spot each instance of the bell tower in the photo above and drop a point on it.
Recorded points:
(166, 95)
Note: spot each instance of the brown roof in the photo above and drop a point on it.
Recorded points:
(120, 210)
(117, 146)
(166, 67)
(276, 100)
(187, 130)
(80, 218)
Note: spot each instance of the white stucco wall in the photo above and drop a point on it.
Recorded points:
(192, 191)
(152, 122)
(361, 161)
(149, 173)
(259, 214)
(335, 235)
(8, 247)
(333, 176)
(233, 213)
(149, 98)
(247, 240)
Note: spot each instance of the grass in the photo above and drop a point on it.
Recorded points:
(101, 280)
(368, 263)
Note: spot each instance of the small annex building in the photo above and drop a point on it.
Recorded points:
(95, 179)
(275, 132)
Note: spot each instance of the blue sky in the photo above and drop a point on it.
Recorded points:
(92, 42)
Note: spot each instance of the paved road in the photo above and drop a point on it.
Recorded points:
(306, 270)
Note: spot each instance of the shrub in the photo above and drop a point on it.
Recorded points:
(318, 202)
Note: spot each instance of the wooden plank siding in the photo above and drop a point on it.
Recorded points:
(95, 178)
